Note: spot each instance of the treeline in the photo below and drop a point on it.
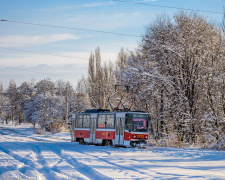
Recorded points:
(42, 103)
(177, 75)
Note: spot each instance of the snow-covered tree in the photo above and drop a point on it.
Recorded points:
(175, 73)
(46, 110)
(45, 86)
(26, 91)
(5, 110)
(14, 97)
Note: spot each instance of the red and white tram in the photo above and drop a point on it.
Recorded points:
(103, 127)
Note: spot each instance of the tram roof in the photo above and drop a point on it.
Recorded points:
(108, 111)
(96, 110)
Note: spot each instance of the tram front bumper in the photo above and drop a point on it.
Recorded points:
(138, 142)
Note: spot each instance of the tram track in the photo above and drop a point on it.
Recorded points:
(77, 165)
(25, 158)
(7, 131)
(35, 161)
(44, 155)
(117, 166)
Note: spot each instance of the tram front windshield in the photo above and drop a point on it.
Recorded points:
(137, 122)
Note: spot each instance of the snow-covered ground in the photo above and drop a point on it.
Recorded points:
(26, 155)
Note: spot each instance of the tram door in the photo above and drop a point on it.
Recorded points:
(72, 130)
(92, 130)
(119, 137)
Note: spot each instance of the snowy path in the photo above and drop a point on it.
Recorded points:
(25, 155)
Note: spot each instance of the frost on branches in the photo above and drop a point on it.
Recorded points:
(178, 75)
(40, 103)
(54, 108)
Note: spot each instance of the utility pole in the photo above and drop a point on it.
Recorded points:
(74, 102)
(44, 116)
(104, 100)
(44, 120)
(66, 117)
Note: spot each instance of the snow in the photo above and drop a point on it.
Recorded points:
(26, 155)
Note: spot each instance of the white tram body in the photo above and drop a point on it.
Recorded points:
(103, 127)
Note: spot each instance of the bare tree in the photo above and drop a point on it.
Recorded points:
(100, 80)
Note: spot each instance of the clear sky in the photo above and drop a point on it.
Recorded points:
(17, 40)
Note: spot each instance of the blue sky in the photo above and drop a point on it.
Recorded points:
(101, 15)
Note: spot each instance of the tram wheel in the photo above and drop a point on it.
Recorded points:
(81, 141)
(107, 143)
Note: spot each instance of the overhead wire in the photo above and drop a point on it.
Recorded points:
(57, 55)
(36, 72)
(38, 53)
(33, 52)
(54, 26)
(43, 54)
(65, 27)
(170, 7)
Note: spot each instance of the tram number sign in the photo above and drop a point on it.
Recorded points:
(140, 136)
(101, 125)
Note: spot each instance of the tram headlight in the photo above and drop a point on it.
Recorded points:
(134, 136)
(146, 137)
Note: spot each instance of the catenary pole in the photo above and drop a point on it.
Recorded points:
(66, 116)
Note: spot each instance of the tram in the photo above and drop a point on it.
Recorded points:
(103, 127)
(120, 127)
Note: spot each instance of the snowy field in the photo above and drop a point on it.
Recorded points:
(25, 155)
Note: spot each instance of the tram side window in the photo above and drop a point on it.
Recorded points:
(101, 121)
(106, 121)
(129, 121)
(79, 121)
(109, 121)
(86, 121)
(83, 121)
